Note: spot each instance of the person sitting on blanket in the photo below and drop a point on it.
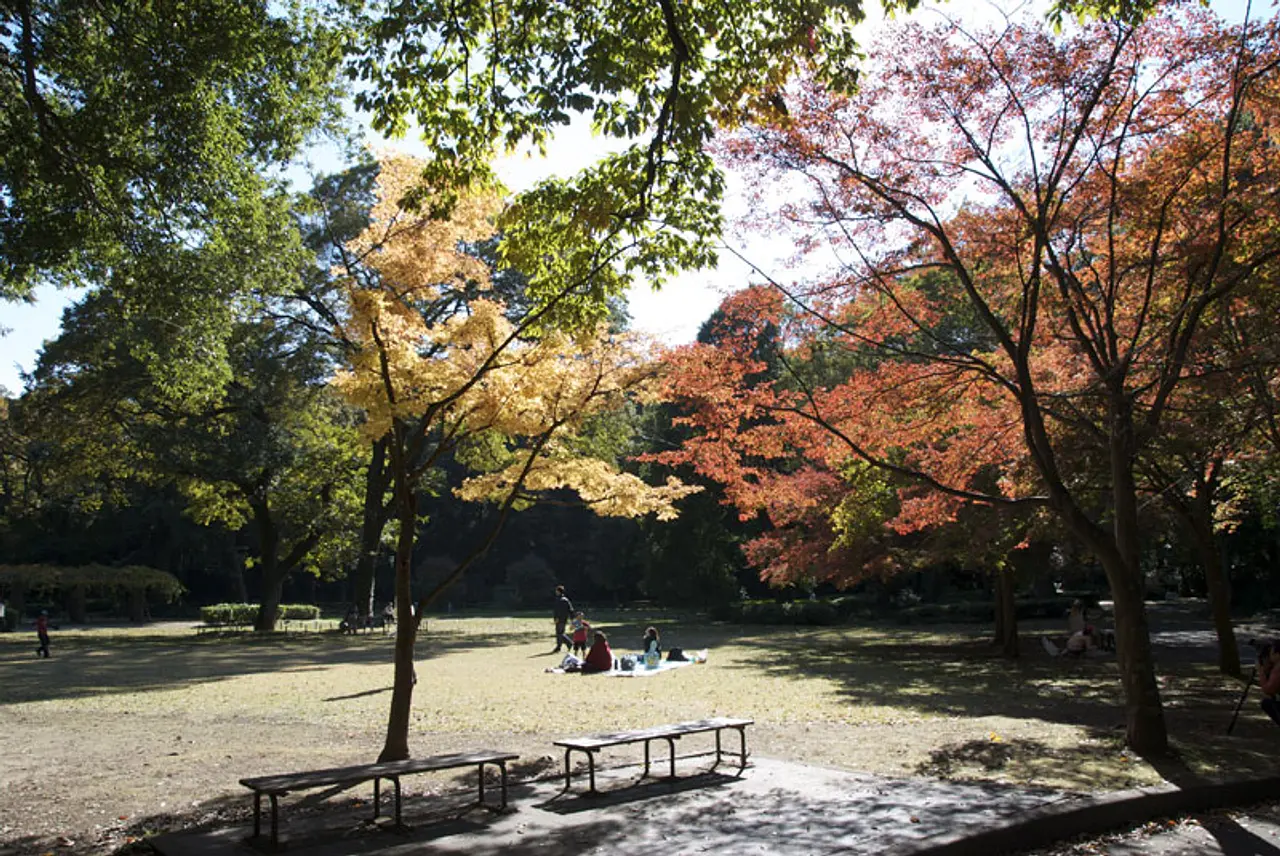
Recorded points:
(651, 642)
(600, 657)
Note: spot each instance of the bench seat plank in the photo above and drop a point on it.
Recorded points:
(592, 743)
(276, 786)
(283, 783)
(657, 732)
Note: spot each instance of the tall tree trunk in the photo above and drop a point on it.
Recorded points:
(396, 747)
(137, 596)
(1197, 513)
(77, 605)
(1144, 713)
(1006, 614)
(1219, 590)
(373, 521)
(272, 572)
(1118, 552)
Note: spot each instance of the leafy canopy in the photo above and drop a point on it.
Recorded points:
(137, 147)
(443, 367)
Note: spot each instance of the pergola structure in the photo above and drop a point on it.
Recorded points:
(73, 585)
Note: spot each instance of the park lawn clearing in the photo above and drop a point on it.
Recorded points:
(156, 725)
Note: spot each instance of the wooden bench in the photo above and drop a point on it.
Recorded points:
(274, 787)
(592, 744)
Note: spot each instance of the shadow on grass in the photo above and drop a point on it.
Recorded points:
(955, 673)
(364, 694)
(85, 665)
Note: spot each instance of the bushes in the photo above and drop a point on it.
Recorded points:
(237, 614)
(815, 612)
(846, 607)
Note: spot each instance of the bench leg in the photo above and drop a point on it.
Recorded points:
(395, 780)
(377, 797)
(257, 815)
(671, 741)
(502, 765)
(591, 768)
(718, 730)
(646, 759)
(742, 757)
(275, 820)
(481, 771)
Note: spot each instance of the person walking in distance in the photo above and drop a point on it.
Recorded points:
(561, 611)
(42, 633)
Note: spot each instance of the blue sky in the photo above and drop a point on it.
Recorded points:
(673, 314)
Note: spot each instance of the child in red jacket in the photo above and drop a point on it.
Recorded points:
(42, 633)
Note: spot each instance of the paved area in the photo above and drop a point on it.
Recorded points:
(774, 808)
(1249, 832)
(1241, 836)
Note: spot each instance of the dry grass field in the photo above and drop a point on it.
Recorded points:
(131, 729)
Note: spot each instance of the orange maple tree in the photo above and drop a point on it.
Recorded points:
(1033, 232)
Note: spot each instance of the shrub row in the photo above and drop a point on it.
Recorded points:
(982, 611)
(247, 613)
(841, 609)
(772, 612)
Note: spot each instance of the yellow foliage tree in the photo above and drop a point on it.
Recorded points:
(441, 368)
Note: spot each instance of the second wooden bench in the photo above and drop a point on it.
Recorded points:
(274, 787)
(592, 744)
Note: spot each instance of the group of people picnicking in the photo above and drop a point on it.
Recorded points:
(1083, 639)
(599, 656)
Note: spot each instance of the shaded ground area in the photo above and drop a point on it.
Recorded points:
(1250, 831)
(775, 807)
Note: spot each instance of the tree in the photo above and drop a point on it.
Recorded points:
(275, 451)
(136, 150)
(441, 372)
(1092, 199)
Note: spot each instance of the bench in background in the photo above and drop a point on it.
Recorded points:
(274, 787)
(592, 744)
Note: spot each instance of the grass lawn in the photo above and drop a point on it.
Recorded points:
(126, 729)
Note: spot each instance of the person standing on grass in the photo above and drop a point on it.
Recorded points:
(561, 611)
(1269, 679)
(42, 633)
(581, 627)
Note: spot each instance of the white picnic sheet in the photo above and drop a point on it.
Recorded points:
(638, 672)
(641, 672)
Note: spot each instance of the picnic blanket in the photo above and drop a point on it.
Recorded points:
(638, 672)
(641, 672)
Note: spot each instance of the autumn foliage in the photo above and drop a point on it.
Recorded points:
(1034, 235)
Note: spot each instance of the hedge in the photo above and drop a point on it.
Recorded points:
(772, 612)
(247, 613)
(41, 580)
(841, 609)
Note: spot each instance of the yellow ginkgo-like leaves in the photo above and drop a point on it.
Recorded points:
(437, 356)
